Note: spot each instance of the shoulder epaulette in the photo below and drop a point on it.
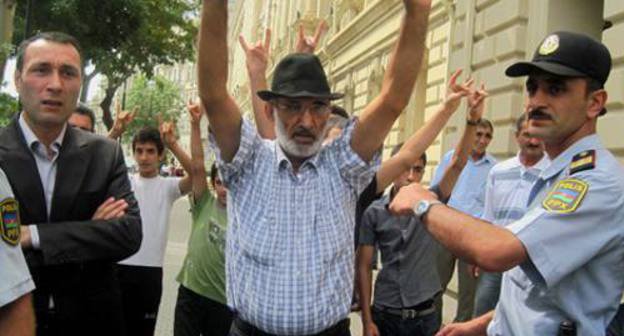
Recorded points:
(583, 161)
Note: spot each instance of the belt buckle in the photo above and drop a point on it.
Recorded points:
(408, 314)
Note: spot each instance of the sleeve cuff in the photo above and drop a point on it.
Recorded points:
(34, 237)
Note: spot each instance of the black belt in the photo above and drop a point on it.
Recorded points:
(417, 311)
(249, 330)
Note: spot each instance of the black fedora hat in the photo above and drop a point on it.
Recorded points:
(298, 76)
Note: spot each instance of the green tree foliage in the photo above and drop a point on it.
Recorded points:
(118, 37)
(155, 98)
(8, 108)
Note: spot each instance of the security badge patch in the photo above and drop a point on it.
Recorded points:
(10, 221)
(566, 196)
(549, 46)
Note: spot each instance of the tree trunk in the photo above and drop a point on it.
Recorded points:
(7, 12)
(86, 82)
(107, 116)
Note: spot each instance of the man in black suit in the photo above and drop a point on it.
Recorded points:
(78, 213)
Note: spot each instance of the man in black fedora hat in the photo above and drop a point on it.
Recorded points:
(289, 248)
(562, 260)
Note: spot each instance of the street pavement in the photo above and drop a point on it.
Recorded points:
(179, 230)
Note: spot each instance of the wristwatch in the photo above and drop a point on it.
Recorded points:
(473, 122)
(422, 207)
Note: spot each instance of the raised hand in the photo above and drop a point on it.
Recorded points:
(167, 132)
(195, 112)
(122, 120)
(476, 105)
(307, 44)
(258, 54)
(455, 92)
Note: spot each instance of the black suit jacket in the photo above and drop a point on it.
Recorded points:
(75, 263)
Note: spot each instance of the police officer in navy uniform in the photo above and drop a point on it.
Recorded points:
(563, 259)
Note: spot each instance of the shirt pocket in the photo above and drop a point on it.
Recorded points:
(335, 234)
(258, 241)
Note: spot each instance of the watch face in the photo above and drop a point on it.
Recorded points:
(422, 207)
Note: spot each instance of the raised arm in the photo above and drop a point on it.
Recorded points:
(476, 106)
(308, 44)
(198, 173)
(212, 69)
(398, 83)
(122, 120)
(257, 61)
(418, 143)
(167, 133)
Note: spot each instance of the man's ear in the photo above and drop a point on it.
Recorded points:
(597, 101)
(17, 79)
(268, 110)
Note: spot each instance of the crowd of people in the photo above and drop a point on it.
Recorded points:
(288, 223)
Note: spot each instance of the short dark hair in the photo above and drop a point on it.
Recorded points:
(56, 37)
(520, 122)
(594, 85)
(148, 134)
(85, 110)
(486, 123)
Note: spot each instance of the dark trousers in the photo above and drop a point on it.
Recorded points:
(96, 315)
(198, 315)
(616, 327)
(394, 325)
(241, 328)
(141, 288)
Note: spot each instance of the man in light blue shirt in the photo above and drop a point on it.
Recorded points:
(468, 197)
(16, 311)
(291, 201)
(563, 258)
(506, 196)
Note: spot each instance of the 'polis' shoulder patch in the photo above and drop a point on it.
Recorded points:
(566, 196)
(583, 161)
(10, 221)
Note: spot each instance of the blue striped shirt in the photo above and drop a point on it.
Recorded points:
(468, 195)
(289, 250)
(507, 190)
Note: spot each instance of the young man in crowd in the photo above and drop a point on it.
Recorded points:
(468, 196)
(201, 308)
(506, 196)
(408, 282)
(140, 275)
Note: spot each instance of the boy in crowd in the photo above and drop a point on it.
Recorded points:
(201, 308)
(140, 276)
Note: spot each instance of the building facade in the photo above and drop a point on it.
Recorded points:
(480, 36)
